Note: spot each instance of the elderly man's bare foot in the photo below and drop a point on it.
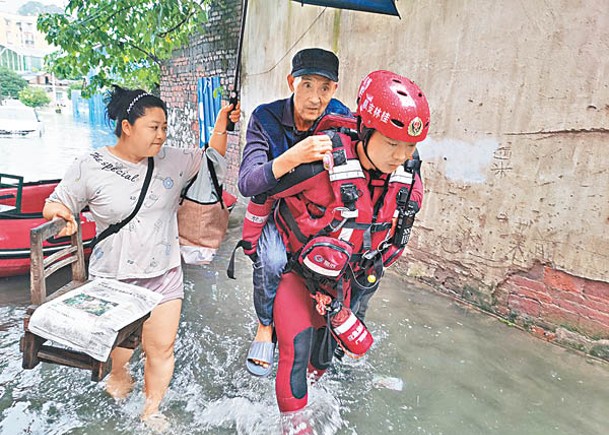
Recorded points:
(264, 334)
(119, 385)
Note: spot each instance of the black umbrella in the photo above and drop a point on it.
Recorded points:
(376, 6)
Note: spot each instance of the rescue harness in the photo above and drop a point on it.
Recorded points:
(362, 223)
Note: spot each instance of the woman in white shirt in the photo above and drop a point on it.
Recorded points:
(146, 251)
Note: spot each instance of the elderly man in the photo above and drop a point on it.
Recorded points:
(279, 138)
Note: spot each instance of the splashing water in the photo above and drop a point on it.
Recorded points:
(460, 372)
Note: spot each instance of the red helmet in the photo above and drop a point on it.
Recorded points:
(393, 105)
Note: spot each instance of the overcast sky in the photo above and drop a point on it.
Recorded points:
(13, 5)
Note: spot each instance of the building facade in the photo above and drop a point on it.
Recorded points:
(22, 46)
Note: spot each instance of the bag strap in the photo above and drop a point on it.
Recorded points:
(187, 187)
(115, 228)
(230, 270)
(214, 180)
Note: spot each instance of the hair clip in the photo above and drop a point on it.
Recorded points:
(136, 99)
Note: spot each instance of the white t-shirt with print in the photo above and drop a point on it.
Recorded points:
(148, 245)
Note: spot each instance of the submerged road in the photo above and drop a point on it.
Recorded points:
(436, 367)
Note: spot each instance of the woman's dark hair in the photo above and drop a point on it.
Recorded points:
(129, 104)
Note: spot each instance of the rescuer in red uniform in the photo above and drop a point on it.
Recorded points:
(343, 222)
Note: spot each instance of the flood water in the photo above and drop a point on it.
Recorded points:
(436, 367)
(47, 157)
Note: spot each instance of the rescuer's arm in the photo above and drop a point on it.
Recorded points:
(308, 176)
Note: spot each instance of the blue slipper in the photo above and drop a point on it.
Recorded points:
(260, 351)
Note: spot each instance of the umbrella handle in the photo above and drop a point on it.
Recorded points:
(230, 126)
(234, 99)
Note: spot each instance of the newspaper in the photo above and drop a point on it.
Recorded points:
(88, 318)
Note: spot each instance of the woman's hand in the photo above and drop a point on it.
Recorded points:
(234, 114)
(227, 112)
(53, 210)
(218, 137)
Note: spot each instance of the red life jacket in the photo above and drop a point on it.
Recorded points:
(347, 179)
(339, 203)
(260, 207)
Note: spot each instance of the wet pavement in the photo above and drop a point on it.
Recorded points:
(436, 367)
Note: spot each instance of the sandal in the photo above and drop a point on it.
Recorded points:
(261, 351)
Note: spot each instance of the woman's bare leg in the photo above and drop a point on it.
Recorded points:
(120, 382)
(158, 338)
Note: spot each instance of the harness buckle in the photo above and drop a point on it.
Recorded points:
(349, 195)
(369, 258)
(370, 254)
(346, 213)
(339, 157)
(402, 197)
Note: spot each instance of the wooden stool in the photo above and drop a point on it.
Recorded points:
(32, 346)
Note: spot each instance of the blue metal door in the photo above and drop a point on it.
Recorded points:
(209, 105)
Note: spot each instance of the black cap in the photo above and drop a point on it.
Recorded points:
(315, 61)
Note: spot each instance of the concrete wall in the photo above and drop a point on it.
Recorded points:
(516, 215)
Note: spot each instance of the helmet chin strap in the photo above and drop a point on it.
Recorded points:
(365, 136)
(365, 146)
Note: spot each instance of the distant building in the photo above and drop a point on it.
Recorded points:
(22, 46)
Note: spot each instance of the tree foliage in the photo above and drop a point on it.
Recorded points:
(37, 8)
(10, 83)
(34, 97)
(73, 87)
(119, 41)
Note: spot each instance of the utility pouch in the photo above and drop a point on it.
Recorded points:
(325, 259)
(350, 332)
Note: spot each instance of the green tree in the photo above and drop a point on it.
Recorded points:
(73, 87)
(10, 83)
(34, 97)
(119, 41)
